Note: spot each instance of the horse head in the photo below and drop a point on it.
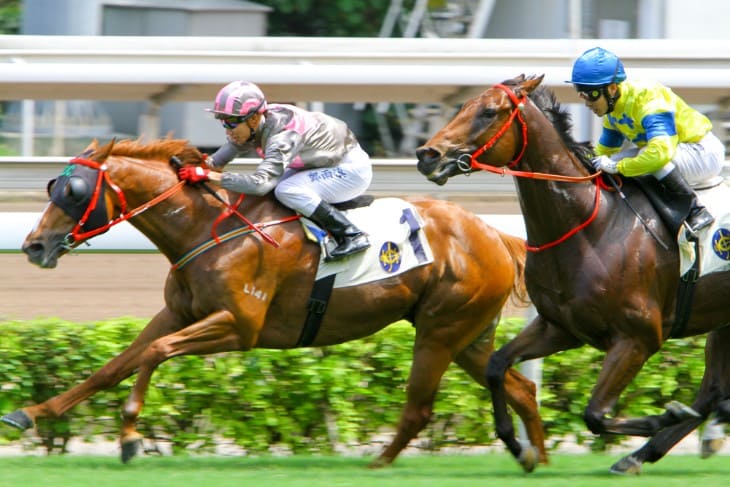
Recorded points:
(483, 130)
(94, 191)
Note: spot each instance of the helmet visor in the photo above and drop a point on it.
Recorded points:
(229, 122)
(589, 93)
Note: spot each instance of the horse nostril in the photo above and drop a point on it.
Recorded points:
(32, 248)
(427, 155)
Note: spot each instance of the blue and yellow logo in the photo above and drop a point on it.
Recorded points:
(390, 257)
(721, 243)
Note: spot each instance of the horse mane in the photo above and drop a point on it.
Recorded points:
(560, 118)
(156, 149)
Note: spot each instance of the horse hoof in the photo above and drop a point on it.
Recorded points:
(18, 419)
(629, 465)
(681, 411)
(529, 458)
(130, 446)
(710, 447)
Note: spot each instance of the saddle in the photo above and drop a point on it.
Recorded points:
(672, 210)
(704, 254)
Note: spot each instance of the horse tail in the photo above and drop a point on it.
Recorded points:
(518, 250)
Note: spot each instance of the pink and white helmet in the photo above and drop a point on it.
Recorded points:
(239, 99)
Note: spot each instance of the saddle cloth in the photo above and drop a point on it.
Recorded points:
(714, 240)
(397, 243)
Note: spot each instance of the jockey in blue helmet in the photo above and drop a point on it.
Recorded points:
(666, 133)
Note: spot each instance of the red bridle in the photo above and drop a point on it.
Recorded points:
(77, 234)
(519, 106)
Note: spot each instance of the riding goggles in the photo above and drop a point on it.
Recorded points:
(231, 123)
(589, 93)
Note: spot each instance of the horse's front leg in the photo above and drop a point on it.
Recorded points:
(111, 374)
(216, 333)
(539, 339)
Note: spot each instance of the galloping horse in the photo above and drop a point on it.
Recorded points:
(594, 272)
(453, 302)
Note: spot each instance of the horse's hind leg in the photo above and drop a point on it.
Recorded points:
(111, 374)
(715, 385)
(430, 361)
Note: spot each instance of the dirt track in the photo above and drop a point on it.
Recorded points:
(84, 287)
(92, 287)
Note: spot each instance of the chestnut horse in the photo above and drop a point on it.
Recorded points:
(594, 270)
(453, 303)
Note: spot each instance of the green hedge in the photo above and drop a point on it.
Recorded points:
(306, 400)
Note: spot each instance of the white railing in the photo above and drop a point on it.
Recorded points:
(345, 70)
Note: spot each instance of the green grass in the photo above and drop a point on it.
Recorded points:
(498, 470)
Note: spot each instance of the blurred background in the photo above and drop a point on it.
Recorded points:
(394, 69)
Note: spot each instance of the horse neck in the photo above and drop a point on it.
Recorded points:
(551, 207)
(174, 224)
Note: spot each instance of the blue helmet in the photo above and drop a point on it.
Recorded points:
(597, 67)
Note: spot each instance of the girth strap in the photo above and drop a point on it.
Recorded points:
(316, 308)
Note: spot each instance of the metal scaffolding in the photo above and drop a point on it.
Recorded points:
(430, 19)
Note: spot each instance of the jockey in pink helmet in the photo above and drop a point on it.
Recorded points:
(309, 159)
(239, 99)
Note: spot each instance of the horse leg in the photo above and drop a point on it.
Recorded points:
(111, 374)
(521, 393)
(213, 334)
(538, 339)
(714, 386)
(430, 361)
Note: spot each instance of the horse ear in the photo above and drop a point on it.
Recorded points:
(528, 85)
(106, 150)
(93, 145)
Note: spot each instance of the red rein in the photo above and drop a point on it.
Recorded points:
(519, 105)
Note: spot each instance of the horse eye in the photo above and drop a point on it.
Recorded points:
(49, 186)
(489, 113)
(77, 189)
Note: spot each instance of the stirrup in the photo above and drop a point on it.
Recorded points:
(356, 244)
(694, 223)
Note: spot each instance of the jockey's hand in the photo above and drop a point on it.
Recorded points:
(605, 164)
(193, 174)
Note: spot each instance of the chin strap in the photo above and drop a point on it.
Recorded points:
(611, 100)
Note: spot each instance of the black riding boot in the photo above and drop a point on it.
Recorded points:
(698, 217)
(350, 239)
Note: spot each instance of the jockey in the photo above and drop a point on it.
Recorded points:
(672, 141)
(309, 159)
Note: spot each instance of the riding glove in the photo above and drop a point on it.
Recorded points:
(605, 164)
(193, 174)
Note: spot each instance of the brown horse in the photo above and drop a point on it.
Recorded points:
(594, 270)
(453, 302)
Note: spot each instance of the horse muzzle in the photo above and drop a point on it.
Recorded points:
(439, 169)
(45, 254)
